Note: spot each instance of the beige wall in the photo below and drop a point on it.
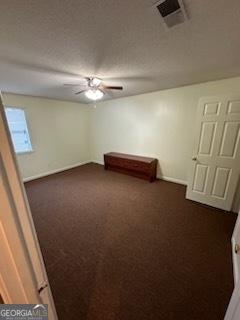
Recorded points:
(59, 133)
(159, 124)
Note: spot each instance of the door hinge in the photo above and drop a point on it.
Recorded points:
(42, 286)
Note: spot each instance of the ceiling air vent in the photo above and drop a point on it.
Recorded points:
(171, 11)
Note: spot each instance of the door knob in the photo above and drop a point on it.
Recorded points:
(236, 248)
(194, 158)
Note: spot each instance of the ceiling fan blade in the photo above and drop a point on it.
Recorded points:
(79, 92)
(112, 87)
(72, 84)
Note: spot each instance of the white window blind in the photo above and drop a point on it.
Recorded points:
(18, 128)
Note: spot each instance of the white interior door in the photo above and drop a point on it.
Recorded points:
(233, 311)
(215, 164)
(236, 251)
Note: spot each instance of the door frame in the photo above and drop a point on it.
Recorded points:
(22, 271)
(233, 311)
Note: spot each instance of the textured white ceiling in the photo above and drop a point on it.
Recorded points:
(46, 43)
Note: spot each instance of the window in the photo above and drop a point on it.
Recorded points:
(18, 128)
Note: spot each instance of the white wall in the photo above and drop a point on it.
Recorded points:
(159, 124)
(59, 133)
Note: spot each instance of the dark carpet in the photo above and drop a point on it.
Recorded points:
(121, 248)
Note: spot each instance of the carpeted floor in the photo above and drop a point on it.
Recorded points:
(120, 248)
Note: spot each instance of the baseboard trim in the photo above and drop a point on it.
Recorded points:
(174, 180)
(98, 162)
(48, 173)
(169, 179)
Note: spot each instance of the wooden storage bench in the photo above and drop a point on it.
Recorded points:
(141, 167)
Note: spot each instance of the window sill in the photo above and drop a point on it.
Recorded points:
(24, 152)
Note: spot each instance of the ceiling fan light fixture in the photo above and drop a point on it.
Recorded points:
(95, 82)
(94, 94)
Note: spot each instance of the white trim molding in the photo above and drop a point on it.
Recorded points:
(22, 267)
(169, 179)
(98, 162)
(174, 180)
(48, 173)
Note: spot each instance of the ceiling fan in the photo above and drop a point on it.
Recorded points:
(93, 88)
